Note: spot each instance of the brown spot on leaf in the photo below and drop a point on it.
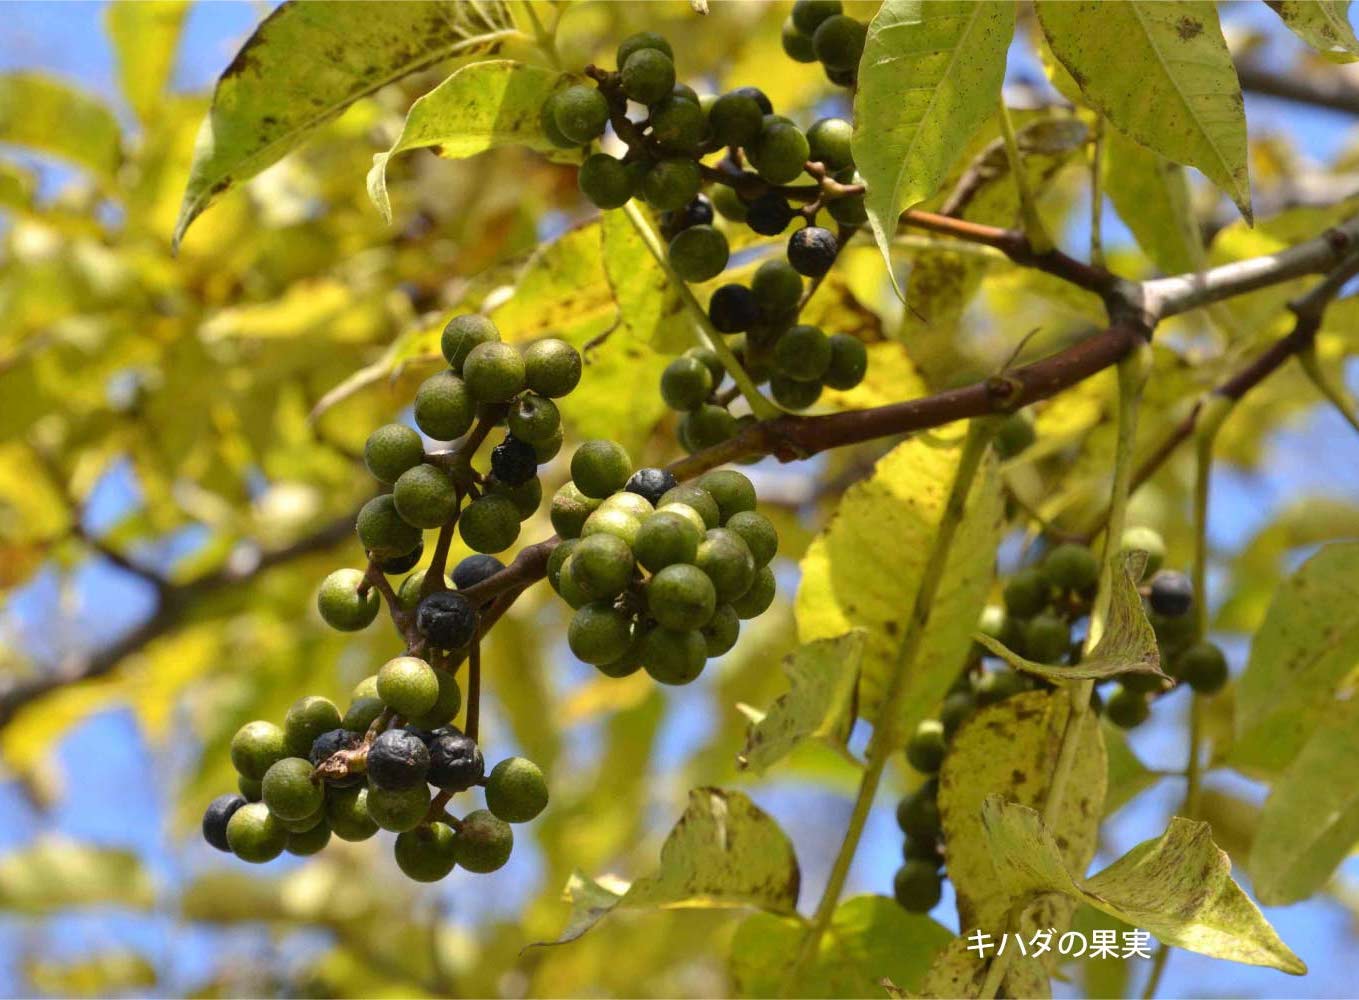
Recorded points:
(1188, 27)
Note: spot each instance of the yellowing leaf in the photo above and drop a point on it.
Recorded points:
(823, 680)
(930, 76)
(1151, 196)
(958, 972)
(54, 874)
(307, 307)
(145, 40)
(1161, 73)
(98, 975)
(306, 63)
(649, 307)
(481, 106)
(52, 117)
(863, 570)
(1178, 886)
(1322, 24)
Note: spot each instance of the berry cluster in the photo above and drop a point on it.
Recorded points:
(660, 573)
(820, 31)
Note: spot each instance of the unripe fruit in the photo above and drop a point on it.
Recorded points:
(1203, 666)
(462, 334)
(306, 719)
(289, 791)
(685, 384)
(398, 809)
(796, 45)
(1047, 639)
(494, 372)
(382, 531)
(557, 560)
(927, 746)
(829, 139)
(725, 559)
(255, 835)
(780, 153)
(922, 850)
(733, 491)
(580, 113)
(666, 538)
(758, 532)
(1014, 435)
(848, 210)
(672, 657)
(455, 762)
(1071, 567)
(1148, 540)
(696, 497)
(398, 759)
(629, 503)
(393, 565)
(551, 367)
(327, 745)
(710, 360)
(678, 124)
(570, 508)
(758, 96)
(706, 426)
(769, 214)
(722, 630)
(215, 819)
(793, 394)
(642, 40)
(699, 253)
(600, 467)
(627, 664)
(515, 790)
(729, 204)
(998, 685)
(484, 843)
(651, 484)
(733, 309)
(957, 707)
(1026, 593)
(407, 685)
(755, 601)
(918, 813)
(598, 633)
(848, 362)
(347, 813)
(736, 119)
(527, 497)
(777, 288)
(340, 604)
(391, 450)
(605, 181)
(839, 42)
(612, 521)
(443, 408)
(534, 419)
(647, 76)
(1172, 594)
(803, 353)
(514, 462)
(256, 747)
(681, 597)
(489, 524)
(547, 121)
(427, 853)
(601, 566)
(425, 496)
(671, 184)
(1126, 709)
(917, 887)
(812, 250)
(361, 714)
(305, 843)
(807, 15)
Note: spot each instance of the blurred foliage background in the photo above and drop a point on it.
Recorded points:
(178, 440)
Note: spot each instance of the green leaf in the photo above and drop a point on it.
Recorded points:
(1161, 73)
(1151, 195)
(863, 570)
(1010, 749)
(1310, 821)
(958, 972)
(590, 902)
(1127, 646)
(306, 63)
(869, 938)
(649, 307)
(481, 106)
(55, 874)
(1178, 886)
(1322, 24)
(52, 117)
(930, 77)
(1305, 649)
(145, 40)
(823, 679)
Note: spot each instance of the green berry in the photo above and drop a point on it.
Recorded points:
(632, 504)
(672, 657)
(605, 180)
(443, 408)
(462, 334)
(601, 566)
(642, 40)
(552, 367)
(808, 14)
(409, 593)
(728, 203)
(998, 685)
(1127, 709)
(391, 450)
(696, 497)
(347, 813)
(756, 601)
(382, 531)
(991, 621)
(341, 605)
(398, 810)
(308, 718)
(803, 353)
(580, 113)
(252, 789)
(848, 362)
(570, 508)
(361, 714)
(736, 119)
(547, 122)
(1047, 639)
(917, 886)
(515, 790)
(425, 496)
(733, 491)
(796, 45)
(1014, 435)
(566, 587)
(1148, 540)
(446, 705)
(839, 43)
(647, 76)
(706, 427)
(484, 843)
(686, 384)
(671, 184)
(256, 747)
(722, 630)
(758, 532)
(427, 853)
(489, 524)
(957, 707)
(681, 597)
(699, 253)
(546, 451)
(848, 210)
(494, 372)
(255, 835)
(1071, 567)
(927, 745)
(367, 688)
(408, 686)
(599, 468)
(829, 142)
(557, 559)
(726, 560)
(794, 394)
(526, 497)
(313, 840)
(666, 538)
(289, 791)
(679, 124)
(627, 664)
(710, 361)
(777, 288)
(1026, 593)
(1203, 666)
(918, 813)
(689, 514)
(613, 521)
(598, 632)
(780, 153)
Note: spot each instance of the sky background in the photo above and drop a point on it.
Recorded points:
(116, 786)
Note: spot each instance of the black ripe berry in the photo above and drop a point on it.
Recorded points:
(446, 619)
(475, 568)
(455, 762)
(812, 250)
(215, 819)
(698, 212)
(651, 484)
(327, 745)
(402, 564)
(769, 214)
(397, 760)
(1171, 593)
(514, 462)
(733, 309)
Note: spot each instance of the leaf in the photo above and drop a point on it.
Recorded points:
(1322, 24)
(1151, 195)
(1161, 73)
(590, 902)
(1127, 646)
(864, 568)
(1010, 748)
(53, 117)
(102, 974)
(1305, 649)
(481, 106)
(1178, 886)
(869, 937)
(54, 873)
(823, 680)
(145, 40)
(306, 63)
(649, 307)
(930, 76)
(1310, 821)
(724, 852)
(958, 972)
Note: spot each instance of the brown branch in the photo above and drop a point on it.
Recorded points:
(1322, 90)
